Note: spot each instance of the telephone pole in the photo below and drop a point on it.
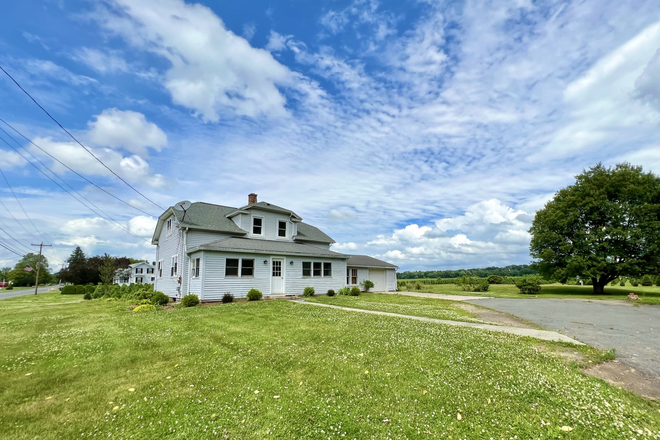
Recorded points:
(41, 246)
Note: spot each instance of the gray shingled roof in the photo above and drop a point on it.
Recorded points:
(312, 233)
(237, 244)
(210, 217)
(367, 261)
(269, 207)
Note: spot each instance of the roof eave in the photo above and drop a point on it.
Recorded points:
(250, 251)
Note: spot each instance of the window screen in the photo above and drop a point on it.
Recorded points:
(257, 224)
(247, 268)
(327, 269)
(281, 229)
(317, 268)
(231, 269)
(307, 268)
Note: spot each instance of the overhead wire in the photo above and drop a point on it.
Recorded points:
(21, 205)
(11, 250)
(10, 236)
(67, 167)
(97, 211)
(77, 141)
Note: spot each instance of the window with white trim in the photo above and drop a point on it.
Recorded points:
(316, 269)
(351, 276)
(195, 267)
(174, 268)
(160, 268)
(169, 226)
(150, 270)
(138, 280)
(139, 270)
(257, 226)
(281, 229)
(242, 266)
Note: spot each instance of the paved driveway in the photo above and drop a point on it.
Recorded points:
(12, 293)
(633, 330)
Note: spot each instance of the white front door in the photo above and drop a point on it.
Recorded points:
(277, 279)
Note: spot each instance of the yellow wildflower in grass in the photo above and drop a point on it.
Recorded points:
(130, 390)
(566, 428)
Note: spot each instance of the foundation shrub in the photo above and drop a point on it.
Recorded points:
(355, 291)
(227, 298)
(160, 299)
(254, 295)
(190, 300)
(309, 291)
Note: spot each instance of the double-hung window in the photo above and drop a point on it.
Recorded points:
(281, 229)
(317, 269)
(257, 225)
(174, 269)
(236, 266)
(169, 226)
(327, 269)
(195, 267)
(351, 276)
(160, 269)
(307, 268)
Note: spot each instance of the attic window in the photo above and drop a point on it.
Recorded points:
(257, 225)
(169, 226)
(281, 229)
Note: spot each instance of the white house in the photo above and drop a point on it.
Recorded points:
(136, 273)
(210, 250)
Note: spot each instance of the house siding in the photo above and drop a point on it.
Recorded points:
(169, 246)
(216, 284)
(195, 284)
(295, 283)
(197, 237)
(269, 225)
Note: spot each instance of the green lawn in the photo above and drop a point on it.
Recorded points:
(406, 305)
(647, 295)
(74, 369)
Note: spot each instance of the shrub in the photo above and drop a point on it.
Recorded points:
(647, 281)
(110, 299)
(344, 291)
(254, 295)
(309, 291)
(190, 300)
(160, 299)
(367, 284)
(331, 292)
(145, 308)
(495, 279)
(80, 290)
(87, 296)
(90, 288)
(69, 290)
(143, 302)
(12, 288)
(634, 283)
(482, 287)
(355, 291)
(622, 283)
(227, 298)
(529, 285)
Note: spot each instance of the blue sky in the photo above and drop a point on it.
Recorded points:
(424, 133)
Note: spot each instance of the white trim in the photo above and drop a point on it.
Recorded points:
(286, 229)
(263, 226)
(270, 274)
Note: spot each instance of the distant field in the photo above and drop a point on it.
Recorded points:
(647, 295)
(78, 369)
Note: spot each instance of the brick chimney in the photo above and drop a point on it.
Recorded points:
(252, 199)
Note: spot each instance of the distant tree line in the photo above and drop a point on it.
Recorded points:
(82, 270)
(507, 271)
(20, 277)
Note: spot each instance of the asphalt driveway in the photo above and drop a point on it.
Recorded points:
(633, 330)
(22, 292)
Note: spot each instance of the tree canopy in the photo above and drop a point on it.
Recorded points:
(21, 277)
(87, 270)
(605, 226)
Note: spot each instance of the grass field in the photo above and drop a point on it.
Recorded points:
(647, 295)
(81, 369)
(406, 305)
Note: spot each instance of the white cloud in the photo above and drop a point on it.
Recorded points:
(10, 159)
(142, 225)
(249, 31)
(339, 247)
(126, 129)
(335, 21)
(103, 62)
(276, 42)
(212, 69)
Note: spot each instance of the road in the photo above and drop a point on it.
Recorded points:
(13, 293)
(632, 329)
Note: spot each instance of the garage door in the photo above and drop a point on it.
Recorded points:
(379, 278)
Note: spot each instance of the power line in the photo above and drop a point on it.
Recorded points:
(11, 250)
(77, 141)
(101, 213)
(19, 204)
(15, 219)
(10, 236)
(65, 165)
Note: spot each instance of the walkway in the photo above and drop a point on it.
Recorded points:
(539, 334)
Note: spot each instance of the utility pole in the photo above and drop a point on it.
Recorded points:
(41, 246)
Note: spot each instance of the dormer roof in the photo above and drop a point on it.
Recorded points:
(265, 206)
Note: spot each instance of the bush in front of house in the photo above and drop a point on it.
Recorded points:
(190, 300)
(529, 285)
(331, 292)
(367, 284)
(344, 291)
(69, 290)
(495, 279)
(145, 308)
(160, 299)
(309, 291)
(254, 295)
(355, 291)
(87, 296)
(227, 298)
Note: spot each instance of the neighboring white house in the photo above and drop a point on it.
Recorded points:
(136, 273)
(210, 250)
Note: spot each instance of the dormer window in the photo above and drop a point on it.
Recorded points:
(169, 226)
(281, 229)
(257, 225)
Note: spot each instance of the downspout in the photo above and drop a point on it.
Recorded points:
(185, 260)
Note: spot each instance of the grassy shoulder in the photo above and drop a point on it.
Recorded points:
(74, 369)
(647, 295)
(405, 305)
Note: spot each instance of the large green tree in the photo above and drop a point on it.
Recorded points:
(4, 273)
(605, 226)
(21, 277)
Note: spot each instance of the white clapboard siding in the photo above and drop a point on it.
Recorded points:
(391, 280)
(296, 283)
(216, 284)
(169, 245)
(379, 278)
(197, 237)
(195, 283)
(269, 225)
